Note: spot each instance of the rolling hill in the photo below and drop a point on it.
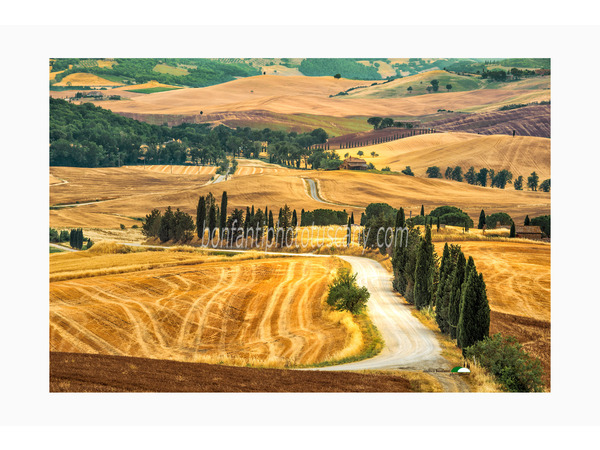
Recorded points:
(521, 155)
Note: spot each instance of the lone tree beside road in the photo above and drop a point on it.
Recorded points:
(345, 294)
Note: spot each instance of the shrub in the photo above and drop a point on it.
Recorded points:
(345, 294)
(505, 358)
(408, 171)
(122, 226)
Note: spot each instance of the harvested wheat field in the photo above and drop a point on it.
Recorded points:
(361, 189)
(521, 155)
(310, 95)
(129, 193)
(517, 277)
(106, 197)
(177, 169)
(149, 85)
(85, 79)
(77, 372)
(187, 306)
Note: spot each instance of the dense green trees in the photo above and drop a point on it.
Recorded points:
(424, 272)
(223, 218)
(543, 222)
(505, 358)
(499, 217)
(474, 313)
(323, 217)
(200, 217)
(346, 67)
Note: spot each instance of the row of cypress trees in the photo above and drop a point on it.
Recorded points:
(455, 289)
(76, 238)
(207, 213)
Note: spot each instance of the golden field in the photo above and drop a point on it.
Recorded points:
(310, 95)
(521, 155)
(187, 306)
(127, 193)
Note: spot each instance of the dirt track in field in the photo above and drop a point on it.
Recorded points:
(76, 372)
(255, 310)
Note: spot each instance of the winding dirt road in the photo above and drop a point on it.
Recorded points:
(408, 343)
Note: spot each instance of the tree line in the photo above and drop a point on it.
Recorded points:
(453, 289)
(89, 136)
(75, 238)
(497, 179)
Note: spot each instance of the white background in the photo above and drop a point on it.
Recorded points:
(277, 29)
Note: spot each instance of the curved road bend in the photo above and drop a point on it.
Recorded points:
(408, 344)
(313, 192)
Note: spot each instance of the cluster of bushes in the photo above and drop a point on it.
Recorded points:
(447, 215)
(172, 225)
(323, 217)
(74, 237)
(505, 358)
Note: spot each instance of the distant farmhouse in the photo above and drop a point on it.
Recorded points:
(354, 164)
(529, 232)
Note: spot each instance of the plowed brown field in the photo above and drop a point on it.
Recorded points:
(76, 372)
(266, 311)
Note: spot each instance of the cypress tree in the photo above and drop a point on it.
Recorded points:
(201, 217)
(513, 232)
(271, 227)
(456, 281)
(444, 269)
(80, 239)
(266, 215)
(424, 272)
(294, 219)
(438, 223)
(351, 218)
(223, 221)
(72, 238)
(167, 226)
(474, 321)
(526, 223)
(349, 234)
(212, 221)
(422, 210)
(481, 220)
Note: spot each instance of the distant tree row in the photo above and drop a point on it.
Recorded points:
(481, 178)
(323, 217)
(380, 123)
(75, 238)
